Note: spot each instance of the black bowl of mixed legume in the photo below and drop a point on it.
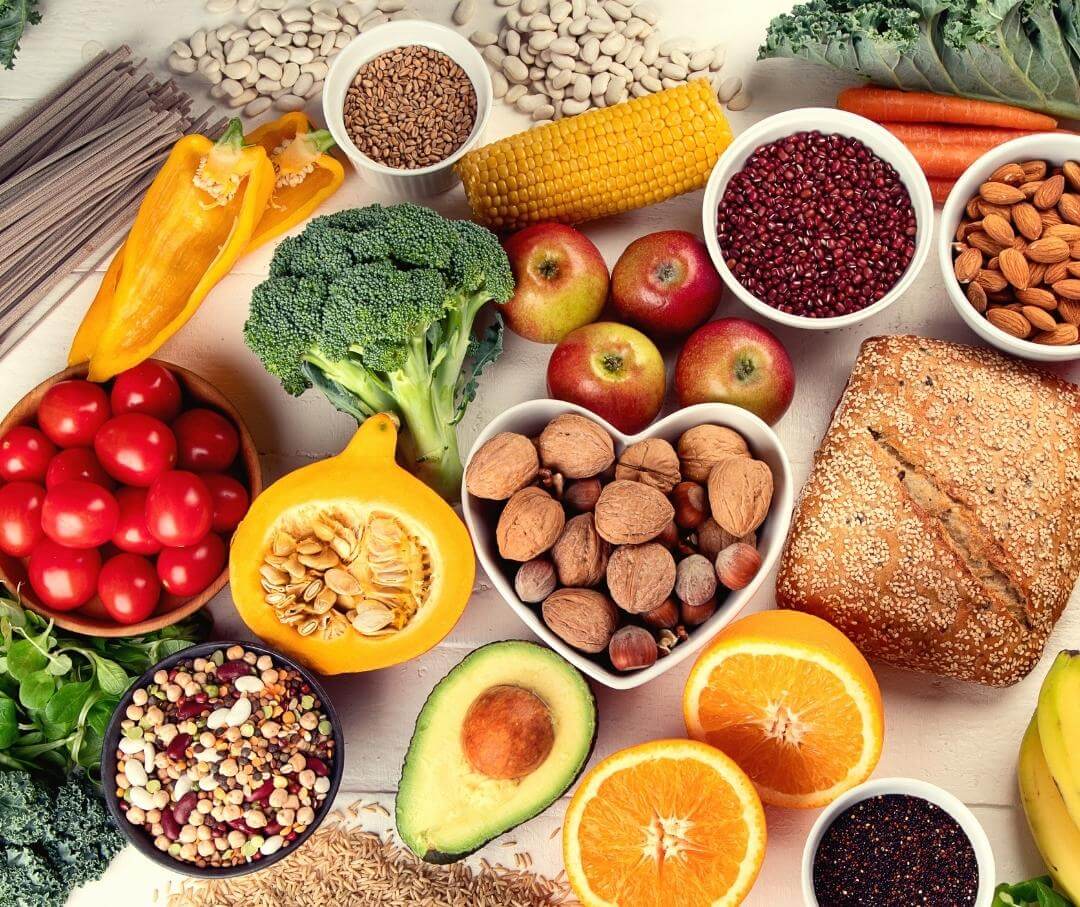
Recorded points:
(222, 759)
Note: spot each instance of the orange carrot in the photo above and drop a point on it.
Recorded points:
(944, 161)
(889, 105)
(940, 189)
(983, 136)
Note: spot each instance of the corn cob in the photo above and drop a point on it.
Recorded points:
(599, 163)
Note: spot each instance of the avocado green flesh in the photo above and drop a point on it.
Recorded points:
(445, 808)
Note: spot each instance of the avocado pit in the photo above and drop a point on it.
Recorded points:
(507, 733)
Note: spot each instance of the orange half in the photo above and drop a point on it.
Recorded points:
(672, 823)
(793, 702)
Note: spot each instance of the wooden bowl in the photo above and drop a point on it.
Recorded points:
(91, 619)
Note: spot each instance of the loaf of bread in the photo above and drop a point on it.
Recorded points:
(940, 525)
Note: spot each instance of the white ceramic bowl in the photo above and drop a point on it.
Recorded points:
(1054, 147)
(529, 419)
(912, 787)
(425, 181)
(831, 122)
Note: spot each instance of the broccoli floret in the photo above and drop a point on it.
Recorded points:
(375, 307)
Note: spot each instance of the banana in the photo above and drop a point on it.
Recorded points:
(1055, 834)
(1058, 716)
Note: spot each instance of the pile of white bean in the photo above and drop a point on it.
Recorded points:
(558, 58)
(280, 54)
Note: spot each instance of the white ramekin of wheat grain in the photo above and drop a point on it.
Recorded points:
(399, 183)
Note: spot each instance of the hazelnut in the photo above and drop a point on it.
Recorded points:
(695, 580)
(507, 732)
(669, 536)
(737, 564)
(640, 577)
(702, 447)
(663, 618)
(575, 446)
(529, 524)
(582, 618)
(630, 513)
(712, 539)
(696, 615)
(740, 492)
(580, 555)
(582, 495)
(535, 580)
(505, 464)
(691, 505)
(653, 462)
(632, 648)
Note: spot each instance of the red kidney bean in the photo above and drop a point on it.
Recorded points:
(175, 750)
(272, 828)
(229, 671)
(202, 697)
(240, 825)
(182, 811)
(318, 766)
(263, 791)
(169, 825)
(294, 787)
(189, 708)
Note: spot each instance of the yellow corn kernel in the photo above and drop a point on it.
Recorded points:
(600, 163)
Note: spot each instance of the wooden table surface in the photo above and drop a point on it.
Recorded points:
(962, 737)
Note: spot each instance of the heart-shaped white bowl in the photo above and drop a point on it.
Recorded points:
(529, 419)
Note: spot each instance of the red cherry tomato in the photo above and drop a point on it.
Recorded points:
(63, 578)
(79, 514)
(25, 454)
(129, 588)
(148, 388)
(207, 441)
(71, 413)
(77, 464)
(20, 517)
(132, 534)
(135, 449)
(231, 500)
(179, 509)
(188, 571)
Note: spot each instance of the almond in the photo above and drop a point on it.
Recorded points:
(1055, 272)
(1068, 310)
(986, 208)
(984, 243)
(1010, 322)
(1034, 170)
(1044, 299)
(998, 229)
(1068, 289)
(1069, 208)
(972, 208)
(991, 281)
(1048, 250)
(977, 297)
(1009, 173)
(1071, 169)
(967, 265)
(1049, 218)
(1036, 272)
(1027, 220)
(1074, 249)
(1073, 267)
(1061, 335)
(1040, 319)
(1002, 194)
(1068, 232)
(1014, 268)
(1029, 189)
(967, 227)
(1049, 193)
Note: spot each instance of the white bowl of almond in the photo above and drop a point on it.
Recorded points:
(1010, 247)
(626, 554)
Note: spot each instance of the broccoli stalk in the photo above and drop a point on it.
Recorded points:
(376, 307)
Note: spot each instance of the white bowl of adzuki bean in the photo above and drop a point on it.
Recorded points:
(817, 218)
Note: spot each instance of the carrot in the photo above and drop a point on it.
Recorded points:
(940, 189)
(889, 105)
(983, 136)
(944, 161)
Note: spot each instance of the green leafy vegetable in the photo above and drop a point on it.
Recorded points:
(1023, 52)
(15, 15)
(51, 839)
(375, 307)
(58, 689)
(1033, 893)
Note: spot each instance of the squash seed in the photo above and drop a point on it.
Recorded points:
(272, 574)
(342, 582)
(283, 544)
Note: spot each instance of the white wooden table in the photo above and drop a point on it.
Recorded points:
(962, 737)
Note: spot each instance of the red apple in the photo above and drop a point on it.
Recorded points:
(733, 360)
(665, 284)
(611, 369)
(562, 282)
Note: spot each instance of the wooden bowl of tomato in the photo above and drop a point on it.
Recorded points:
(117, 501)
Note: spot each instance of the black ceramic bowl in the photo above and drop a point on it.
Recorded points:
(141, 838)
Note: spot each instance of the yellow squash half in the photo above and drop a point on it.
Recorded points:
(352, 564)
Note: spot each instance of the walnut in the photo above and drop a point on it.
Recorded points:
(695, 580)
(652, 462)
(580, 554)
(712, 539)
(583, 618)
(575, 446)
(740, 492)
(702, 447)
(529, 524)
(535, 580)
(640, 577)
(630, 513)
(505, 464)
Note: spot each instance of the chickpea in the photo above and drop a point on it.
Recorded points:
(140, 697)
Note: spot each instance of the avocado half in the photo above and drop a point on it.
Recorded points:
(500, 738)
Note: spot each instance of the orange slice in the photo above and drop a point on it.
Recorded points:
(672, 823)
(793, 702)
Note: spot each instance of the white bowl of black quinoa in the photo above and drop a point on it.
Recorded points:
(818, 218)
(897, 841)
